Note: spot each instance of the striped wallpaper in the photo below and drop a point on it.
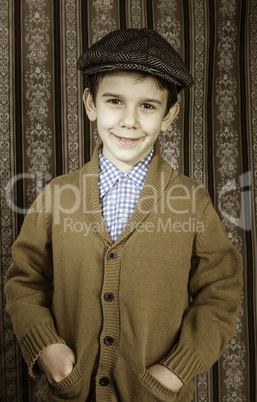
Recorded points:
(44, 133)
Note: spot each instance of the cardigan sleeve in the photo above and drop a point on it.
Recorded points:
(29, 285)
(215, 285)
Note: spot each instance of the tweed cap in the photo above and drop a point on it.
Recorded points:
(135, 49)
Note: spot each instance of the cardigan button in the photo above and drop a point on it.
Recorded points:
(109, 297)
(108, 340)
(111, 255)
(104, 381)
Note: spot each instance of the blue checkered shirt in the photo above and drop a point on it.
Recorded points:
(119, 193)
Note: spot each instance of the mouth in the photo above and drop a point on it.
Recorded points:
(126, 141)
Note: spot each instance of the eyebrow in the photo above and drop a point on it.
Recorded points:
(110, 95)
(153, 101)
(113, 95)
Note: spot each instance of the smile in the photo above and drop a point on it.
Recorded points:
(126, 141)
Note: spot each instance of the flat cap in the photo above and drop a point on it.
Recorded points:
(135, 49)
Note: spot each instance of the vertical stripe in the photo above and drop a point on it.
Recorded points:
(246, 168)
(18, 111)
(209, 136)
(62, 79)
(38, 96)
(57, 90)
(129, 14)
(122, 7)
(135, 13)
(9, 379)
(199, 69)
(84, 45)
(198, 132)
(187, 48)
(197, 154)
(71, 88)
(228, 169)
(251, 100)
(17, 141)
(149, 13)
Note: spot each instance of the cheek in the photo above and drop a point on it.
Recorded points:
(107, 119)
(152, 127)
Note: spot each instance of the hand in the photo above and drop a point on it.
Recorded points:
(166, 377)
(56, 362)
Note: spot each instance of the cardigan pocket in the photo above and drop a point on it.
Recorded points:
(156, 388)
(67, 382)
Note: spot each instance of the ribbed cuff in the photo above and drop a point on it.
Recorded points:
(183, 362)
(36, 341)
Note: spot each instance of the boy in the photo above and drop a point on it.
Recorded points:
(108, 256)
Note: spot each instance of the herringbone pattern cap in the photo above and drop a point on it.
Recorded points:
(136, 50)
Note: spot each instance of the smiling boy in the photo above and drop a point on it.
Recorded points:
(135, 309)
(130, 111)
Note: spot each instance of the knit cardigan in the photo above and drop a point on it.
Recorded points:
(167, 291)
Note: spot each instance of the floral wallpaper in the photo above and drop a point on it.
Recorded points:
(44, 132)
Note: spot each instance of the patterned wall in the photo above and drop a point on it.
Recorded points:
(44, 133)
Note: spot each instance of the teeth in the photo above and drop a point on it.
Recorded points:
(127, 139)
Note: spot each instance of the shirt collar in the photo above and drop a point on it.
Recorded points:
(110, 174)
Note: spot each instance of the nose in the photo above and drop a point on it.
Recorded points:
(129, 118)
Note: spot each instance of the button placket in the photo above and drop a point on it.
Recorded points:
(110, 330)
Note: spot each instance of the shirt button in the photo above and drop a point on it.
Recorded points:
(122, 218)
(108, 340)
(108, 297)
(104, 381)
(125, 178)
(111, 255)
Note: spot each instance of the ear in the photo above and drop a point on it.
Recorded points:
(89, 105)
(170, 116)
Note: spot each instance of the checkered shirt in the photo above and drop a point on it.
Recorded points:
(119, 192)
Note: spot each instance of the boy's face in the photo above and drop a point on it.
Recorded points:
(130, 114)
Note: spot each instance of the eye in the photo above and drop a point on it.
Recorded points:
(114, 101)
(147, 106)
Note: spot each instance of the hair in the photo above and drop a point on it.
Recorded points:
(94, 80)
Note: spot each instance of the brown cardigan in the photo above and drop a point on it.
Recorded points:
(125, 306)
